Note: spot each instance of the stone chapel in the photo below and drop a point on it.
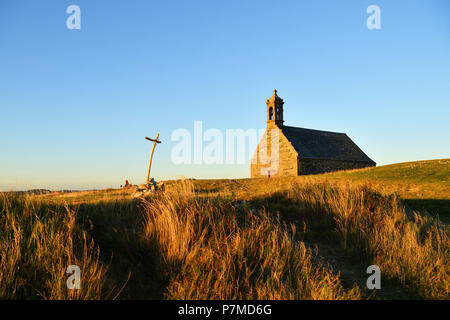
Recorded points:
(302, 151)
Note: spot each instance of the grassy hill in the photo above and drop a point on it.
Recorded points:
(422, 185)
(309, 237)
(417, 172)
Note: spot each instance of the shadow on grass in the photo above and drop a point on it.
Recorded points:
(435, 207)
(116, 227)
(350, 259)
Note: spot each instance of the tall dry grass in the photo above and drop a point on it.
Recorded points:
(37, 244)
(212, 250)
(410, 248)
(197, 245)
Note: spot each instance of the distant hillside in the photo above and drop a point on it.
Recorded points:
(31, 192)
(418, 172)
(39, 192)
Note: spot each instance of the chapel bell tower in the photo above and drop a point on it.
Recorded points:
(275, 110)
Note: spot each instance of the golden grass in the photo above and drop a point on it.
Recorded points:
(412, 250)
(212, 251)
(37, 244)
(224, 239)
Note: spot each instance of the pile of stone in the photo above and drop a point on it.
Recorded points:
(126, 185)
(148, 188)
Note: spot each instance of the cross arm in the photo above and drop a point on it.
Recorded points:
(153, 140)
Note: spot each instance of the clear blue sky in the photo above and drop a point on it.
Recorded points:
(76, 104)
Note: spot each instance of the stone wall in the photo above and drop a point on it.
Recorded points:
(315, 166)
(287, 156)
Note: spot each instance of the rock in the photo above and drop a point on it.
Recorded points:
(148, 188)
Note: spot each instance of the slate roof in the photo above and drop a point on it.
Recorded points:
(316, 144)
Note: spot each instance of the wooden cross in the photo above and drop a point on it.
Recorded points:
(155, 141)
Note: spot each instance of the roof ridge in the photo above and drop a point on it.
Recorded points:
(315, 130)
